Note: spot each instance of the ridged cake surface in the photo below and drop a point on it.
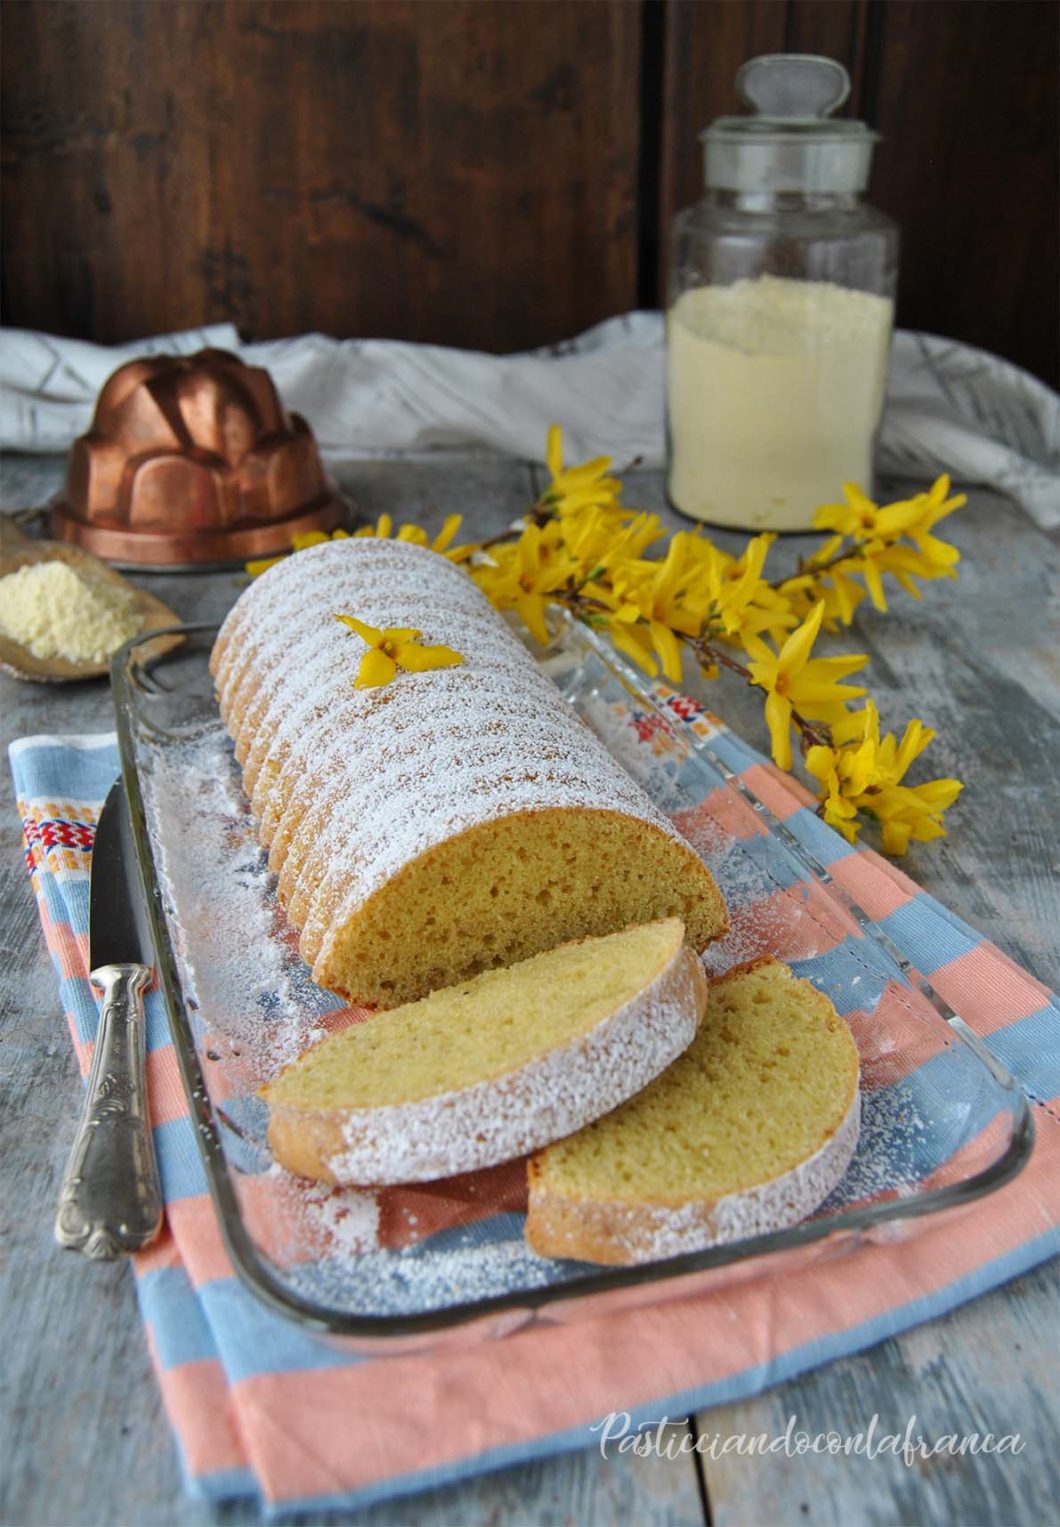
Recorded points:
(450, 820)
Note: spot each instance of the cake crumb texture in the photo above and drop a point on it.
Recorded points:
(747, 1131)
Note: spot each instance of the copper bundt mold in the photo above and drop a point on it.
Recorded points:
(192, 461)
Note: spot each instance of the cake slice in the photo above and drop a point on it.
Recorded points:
(499, 1065)
(748, 1131)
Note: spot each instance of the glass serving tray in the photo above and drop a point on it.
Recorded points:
(943, 1123)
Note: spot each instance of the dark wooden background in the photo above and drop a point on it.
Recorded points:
(496, 173)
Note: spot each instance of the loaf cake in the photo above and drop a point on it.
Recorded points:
(482, 1072)
(748, 1131)
(449, 821)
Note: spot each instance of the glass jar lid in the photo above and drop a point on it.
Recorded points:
(791, 143)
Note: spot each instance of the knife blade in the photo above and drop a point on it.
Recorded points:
(118, 929)
(110, 1202)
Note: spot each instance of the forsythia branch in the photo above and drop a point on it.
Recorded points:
(581, 548)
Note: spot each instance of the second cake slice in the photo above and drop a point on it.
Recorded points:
(749, 1131)
(499, 1065)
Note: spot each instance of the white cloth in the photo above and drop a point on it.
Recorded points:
(949, 407)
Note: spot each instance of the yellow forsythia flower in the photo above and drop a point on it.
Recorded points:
(391, 649)
(877, 533)
(573, 488)
(417, 536)
(793, 680)
(656, 592)
(580, 548)
(837, 589)
(913, 812)
(863, 773)
(859, 517)
(742, 601)
(521, 575)
(299, 542)
(381, 530)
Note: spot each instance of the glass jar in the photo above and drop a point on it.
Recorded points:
(781, 307)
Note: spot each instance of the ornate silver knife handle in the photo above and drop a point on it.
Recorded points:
(111, 1200)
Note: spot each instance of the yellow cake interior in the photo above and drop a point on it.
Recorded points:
(481, 1029)
(506, 890)
(768, 1079)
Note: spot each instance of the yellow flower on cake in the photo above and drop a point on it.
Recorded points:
(795, 680)
(394, 648)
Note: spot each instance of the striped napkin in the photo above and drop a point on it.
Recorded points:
(262, 1409)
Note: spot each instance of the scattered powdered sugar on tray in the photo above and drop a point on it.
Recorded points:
(348, 1217)
(893, 1134)
(306, 1220)
(421, 1278)
(242, 977)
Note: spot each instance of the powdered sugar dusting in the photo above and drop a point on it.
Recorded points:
(493, 737)
(769, 1206)
(549, 1097)
(349, 1219)
(419, 1278)
(217, 897)
(894, 1139)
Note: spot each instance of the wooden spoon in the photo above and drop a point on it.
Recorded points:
(17, 550)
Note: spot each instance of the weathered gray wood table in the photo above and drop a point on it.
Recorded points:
(86, 1440)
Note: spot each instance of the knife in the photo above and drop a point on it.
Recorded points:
(111, 1202)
